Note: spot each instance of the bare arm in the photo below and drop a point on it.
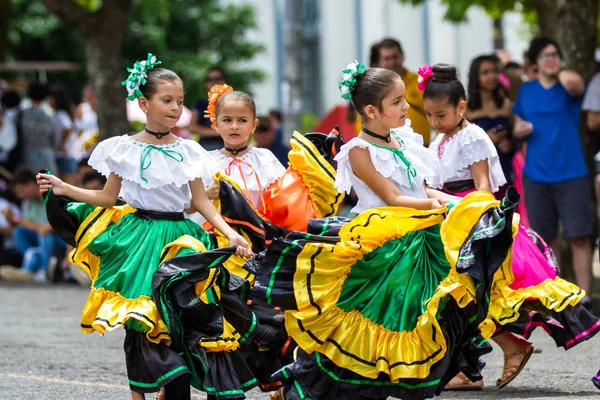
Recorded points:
(593, 120)
(363, 167)
(195, 127)
(437, 194)
(106, 197)
(205, 207)
(480, 172)
(572, 82)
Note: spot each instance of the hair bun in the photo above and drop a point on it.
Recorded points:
(444, 73)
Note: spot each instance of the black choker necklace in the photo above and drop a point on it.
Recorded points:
(386, 138)
(159, 135)
(235, 152)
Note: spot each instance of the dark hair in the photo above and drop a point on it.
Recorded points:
(10, 99)
(62, 99)
(499, 94)
(537, 45)
(93, 176)
(23, 177)
(275, 114)
(264, 124)
(386, 43)
(83, 163)
(236, 96)
(512, 65)
(37, 91)
(372, 87)
(156, 76)
(444, 84)
(216, 68)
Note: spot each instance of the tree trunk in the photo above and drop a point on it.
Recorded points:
(292, 93)
(103, 33)
(546, 11)
(575, 31)
(5, 14)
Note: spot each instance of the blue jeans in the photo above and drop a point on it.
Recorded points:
(36, 249)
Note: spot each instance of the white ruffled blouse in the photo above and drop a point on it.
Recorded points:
(456, 154)
(155, 177)
(408, 168)
(254, 171)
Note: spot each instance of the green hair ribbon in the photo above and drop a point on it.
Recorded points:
(347, 82)
(137, 76)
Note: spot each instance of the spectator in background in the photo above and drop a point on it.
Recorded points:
(514, 73)
(267, 137)
(37, 133)
(209, 138)
(61, 103)
(32, 233)
(490, 108)
(93, 181)
(85, 117)
(556, 179)
(591, 104)
(388, 54)
(8, 207)
(10, 102)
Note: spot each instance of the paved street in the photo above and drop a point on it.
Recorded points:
(44, 356)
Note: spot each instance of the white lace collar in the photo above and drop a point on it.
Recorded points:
(423, 162)
(255, 170)
(150, 165)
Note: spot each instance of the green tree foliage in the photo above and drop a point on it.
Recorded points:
(189, 36)
(456, 10)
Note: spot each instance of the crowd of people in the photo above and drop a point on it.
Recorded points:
(230, 267)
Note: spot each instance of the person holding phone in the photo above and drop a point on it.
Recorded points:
(490, 108)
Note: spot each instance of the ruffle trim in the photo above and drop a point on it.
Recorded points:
(386, 164)
(105, 310)
(554, 294)
(122, 155)
(319, 325)
(473, 146)
(229, 340)
(317, 174)
(256, 160)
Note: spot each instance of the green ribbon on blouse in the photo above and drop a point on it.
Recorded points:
(146, 160)
(411, 171)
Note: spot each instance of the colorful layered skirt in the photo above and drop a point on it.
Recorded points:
(391, 303)
(172, 331)
(532, 294)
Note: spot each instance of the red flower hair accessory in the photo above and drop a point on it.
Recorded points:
(425, 74)
(213, 96)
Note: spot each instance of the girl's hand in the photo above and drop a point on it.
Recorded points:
(213, 191)
(243, 248)
(438, 203)
(47, 182)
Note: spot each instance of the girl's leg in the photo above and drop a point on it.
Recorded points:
(137, 396)
(516, 354)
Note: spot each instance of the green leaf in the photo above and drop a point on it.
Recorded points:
(89, 5)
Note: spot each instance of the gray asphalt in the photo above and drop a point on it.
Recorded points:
(44, 356)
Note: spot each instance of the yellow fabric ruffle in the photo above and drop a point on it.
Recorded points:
(106, 311)
(317, 174)
(208, 293)
(554, 294)
(401, 355)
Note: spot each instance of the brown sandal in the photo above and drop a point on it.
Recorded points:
(278, 395)
(510, 372)
(462, 383)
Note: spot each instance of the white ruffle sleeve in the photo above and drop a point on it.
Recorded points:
(152, 166)
(470, 145)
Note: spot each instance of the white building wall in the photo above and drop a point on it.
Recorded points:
(424, 35)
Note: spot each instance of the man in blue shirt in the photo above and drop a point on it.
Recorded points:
(556, 179)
